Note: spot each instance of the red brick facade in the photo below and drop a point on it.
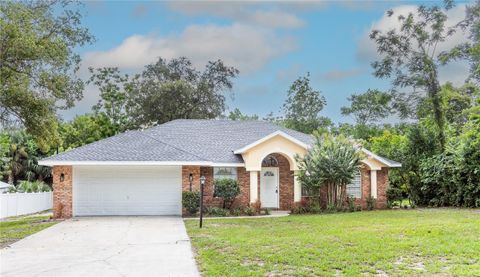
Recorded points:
(286, 183)
(382, 186)
(62, 191)
(243, 177)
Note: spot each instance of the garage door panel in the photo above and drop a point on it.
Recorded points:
(118, 190)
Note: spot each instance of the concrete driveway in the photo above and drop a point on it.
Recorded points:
(104, 246)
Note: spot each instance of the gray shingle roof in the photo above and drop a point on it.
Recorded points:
(179, 140)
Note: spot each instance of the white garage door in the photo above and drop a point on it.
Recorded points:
(127, 190)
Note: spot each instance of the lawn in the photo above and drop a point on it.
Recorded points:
(441, 242)
(16, 228)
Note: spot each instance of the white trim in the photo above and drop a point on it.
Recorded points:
(377, 157)
(276, 133)
(201, 163)
(253, 186)
(297, 188)
(373, 183)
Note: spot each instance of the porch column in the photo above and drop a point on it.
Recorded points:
(373, 183)
(253, 186)
(297, 189)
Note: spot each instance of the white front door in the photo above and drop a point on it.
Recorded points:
(269, 187)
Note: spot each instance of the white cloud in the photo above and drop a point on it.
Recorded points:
(251, 13)
(245, 47)
(367, 52)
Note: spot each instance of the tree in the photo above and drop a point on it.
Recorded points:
(85, 129)
(237, 115)
(369, 107)
(470, 50)
(175, 89)
(38, 63)
(114, 90)
(20, 161)
(331, 162)
(409, 56)
(228, 190)
(303, 106)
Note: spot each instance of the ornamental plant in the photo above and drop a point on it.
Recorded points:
(331, 162)
(228, 189)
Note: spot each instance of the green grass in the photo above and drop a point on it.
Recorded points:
(444, 242)
(16, 228)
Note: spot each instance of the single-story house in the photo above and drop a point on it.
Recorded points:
(144, 172)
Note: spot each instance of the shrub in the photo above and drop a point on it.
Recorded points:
(267, 211)
(236, 212)
(371, 203)
(358, 208)
(35, 186)
(191, 201)
(215, 211)
(351, 204)
(394, 194)
(250, 211)
(228, 189)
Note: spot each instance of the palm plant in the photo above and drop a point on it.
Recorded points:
(331, 162)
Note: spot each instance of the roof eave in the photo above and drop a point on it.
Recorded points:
(381, 159)
(139, 163)
(274, 134)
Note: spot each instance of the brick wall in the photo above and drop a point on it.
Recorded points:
(286, 183)
(62, 191)
(243, 200)
(186, 171)
(382, 186)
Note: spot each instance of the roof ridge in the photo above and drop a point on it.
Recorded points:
(161, 141)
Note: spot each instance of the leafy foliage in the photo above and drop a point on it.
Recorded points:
(191, 201)
(35, 186)
(228, 189)
(369, 107)
(238, 115)
(303, 106)
(168, 90)
(331, 162)
(38, 63)
(409, 58)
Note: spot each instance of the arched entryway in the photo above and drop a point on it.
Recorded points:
(276, 182)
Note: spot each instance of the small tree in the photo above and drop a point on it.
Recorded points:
(191, 201)
(331, 162)
(228, 189)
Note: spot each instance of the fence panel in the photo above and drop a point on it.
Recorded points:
(13, 204)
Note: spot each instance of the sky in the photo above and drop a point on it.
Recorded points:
(271, 43)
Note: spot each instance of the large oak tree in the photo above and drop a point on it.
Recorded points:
(38, 64)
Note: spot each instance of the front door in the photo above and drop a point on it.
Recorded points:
(269, 187)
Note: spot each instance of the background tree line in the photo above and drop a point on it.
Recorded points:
(436, 137)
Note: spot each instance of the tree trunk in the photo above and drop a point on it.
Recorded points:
(433, 93)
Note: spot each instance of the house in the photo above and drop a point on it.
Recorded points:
(143, 172)
(4, 187)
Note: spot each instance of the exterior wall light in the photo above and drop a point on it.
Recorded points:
(190, 178)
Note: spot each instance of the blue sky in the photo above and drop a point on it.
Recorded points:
(272, 43)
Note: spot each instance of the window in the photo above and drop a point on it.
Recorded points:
(225, 173)
(355, 188)
(269, 161)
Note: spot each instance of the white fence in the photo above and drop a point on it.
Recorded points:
(13, 204)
